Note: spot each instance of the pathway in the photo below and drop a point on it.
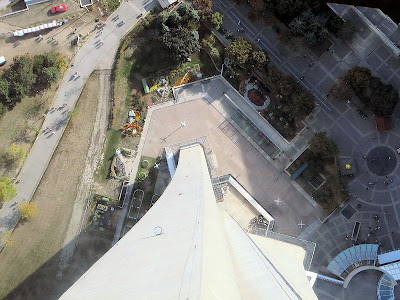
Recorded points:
(355, 136)
(88, 57)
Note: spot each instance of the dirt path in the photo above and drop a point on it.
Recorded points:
(93, 157)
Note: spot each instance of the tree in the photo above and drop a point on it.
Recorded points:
(310, 37)
(239, 51)
(274, 74)
(16, 153)
(7, 189)
(289, 9)
(3, 109)
(188, 13)
(179, 43)
(205, 8)
(346, 31)
(23, 68)
(314, 24)
(216, 20)
(4, 91)
(313, 169)
(258, 5)
(358, 78)
(163, 16)
(341, 91)
(302, 104)
(380, 98)
(297, 26)
(174, 19)
(6, 238)
(323, 146)
(260, 60)
(257, 9)
(334, 23)
(28, 210)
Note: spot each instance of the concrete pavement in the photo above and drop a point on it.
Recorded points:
(372, 195)
(85, 61)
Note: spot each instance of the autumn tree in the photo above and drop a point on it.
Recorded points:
(239, 51)
(204, 7)
(7, 189)
(259, 60)
(16, 153)
(28, 210)
(216, 20)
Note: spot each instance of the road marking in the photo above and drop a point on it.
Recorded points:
(223, 3)
(270, 51)
(242, 23)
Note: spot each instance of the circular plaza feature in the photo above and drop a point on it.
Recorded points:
(381, 161)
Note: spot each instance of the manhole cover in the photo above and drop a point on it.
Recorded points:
(348, 211)
(381, 161)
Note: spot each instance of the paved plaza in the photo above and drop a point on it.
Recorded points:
(203, 113)
(375, 187)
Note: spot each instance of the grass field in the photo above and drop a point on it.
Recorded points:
(20, 125)
(39, 241)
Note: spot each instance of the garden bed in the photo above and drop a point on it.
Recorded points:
(256, 97)
(330, 194)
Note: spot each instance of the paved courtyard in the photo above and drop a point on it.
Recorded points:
(235, 156)
(375, 187)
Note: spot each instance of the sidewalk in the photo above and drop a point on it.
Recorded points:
(85, 62)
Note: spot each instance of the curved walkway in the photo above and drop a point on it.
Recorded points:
(88, 57)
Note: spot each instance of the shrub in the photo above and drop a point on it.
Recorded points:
(145, 164)
(28, 210)
(142, 176)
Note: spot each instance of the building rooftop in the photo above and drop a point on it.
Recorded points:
(186, 247)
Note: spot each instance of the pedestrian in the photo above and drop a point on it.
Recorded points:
(302, 77)
(367, 188)
(52, 133)
(364, 157)
(79, 76)
(389, 157)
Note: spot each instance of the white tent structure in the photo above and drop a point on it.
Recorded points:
(22, 32)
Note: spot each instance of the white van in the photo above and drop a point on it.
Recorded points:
(2, 60)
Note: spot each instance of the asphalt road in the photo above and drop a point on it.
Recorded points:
(95, 50)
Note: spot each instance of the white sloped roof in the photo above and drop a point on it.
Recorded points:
(166, 3)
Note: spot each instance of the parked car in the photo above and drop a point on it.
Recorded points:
(2, 60)
(59, 8)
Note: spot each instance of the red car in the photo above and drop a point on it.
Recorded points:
(59, 8)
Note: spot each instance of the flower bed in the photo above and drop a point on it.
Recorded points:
(256, 97)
